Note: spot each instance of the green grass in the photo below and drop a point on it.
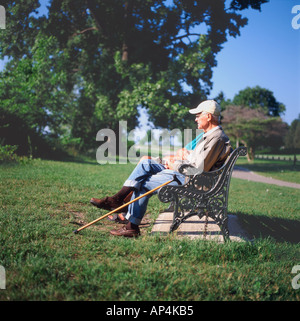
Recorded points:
(44, 201)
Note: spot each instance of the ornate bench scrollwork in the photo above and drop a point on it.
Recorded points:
(204, 194)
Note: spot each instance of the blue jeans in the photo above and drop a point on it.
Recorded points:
(146, 176)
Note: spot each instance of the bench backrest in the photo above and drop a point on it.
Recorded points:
(210, 182)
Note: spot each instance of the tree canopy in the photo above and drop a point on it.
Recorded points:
(258, 97)
(292, 139)
(89, 64)
(254, 128)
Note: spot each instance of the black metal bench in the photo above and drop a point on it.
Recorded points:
(204, 194)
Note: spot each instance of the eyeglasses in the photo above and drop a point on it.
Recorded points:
(201, 114)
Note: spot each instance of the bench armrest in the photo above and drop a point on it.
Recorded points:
(189, 170)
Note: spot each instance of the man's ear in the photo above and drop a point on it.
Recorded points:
(209, 117)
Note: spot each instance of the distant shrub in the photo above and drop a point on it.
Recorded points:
(8, 155)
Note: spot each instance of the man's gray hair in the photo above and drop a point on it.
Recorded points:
(216, 118)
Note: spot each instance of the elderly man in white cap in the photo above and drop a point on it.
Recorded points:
(209, 154)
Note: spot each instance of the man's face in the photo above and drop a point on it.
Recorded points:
(202, 120)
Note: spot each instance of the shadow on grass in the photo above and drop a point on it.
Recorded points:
(89, 159)
(282, 230)
(82, 159)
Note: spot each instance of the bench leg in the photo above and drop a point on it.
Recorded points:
(176, 220)
(170, 208)
(220, 218)
(223, 224)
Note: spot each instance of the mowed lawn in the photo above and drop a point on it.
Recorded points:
(43, 202)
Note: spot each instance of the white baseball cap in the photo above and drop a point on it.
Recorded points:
(209, 106)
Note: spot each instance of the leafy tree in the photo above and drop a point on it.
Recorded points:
(115, 56)
(258, 97)
(32, 88)
(253, 128)
(222, 101)
(292, 138)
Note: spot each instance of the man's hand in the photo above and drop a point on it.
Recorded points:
(168, 161)
(182, 154)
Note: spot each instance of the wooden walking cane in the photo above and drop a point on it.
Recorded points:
(124, 205)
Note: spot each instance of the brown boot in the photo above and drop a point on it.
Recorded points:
(123, 194)
(107, 203)
(115, 201)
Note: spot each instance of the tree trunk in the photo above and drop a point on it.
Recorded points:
(125, 52)
(250, 151)
(126, 29)
(251, 154)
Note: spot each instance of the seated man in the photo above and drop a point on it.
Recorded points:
(209, 154)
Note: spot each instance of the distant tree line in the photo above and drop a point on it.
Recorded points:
(252, 118)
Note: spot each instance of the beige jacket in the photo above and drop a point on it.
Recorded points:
(210, 153)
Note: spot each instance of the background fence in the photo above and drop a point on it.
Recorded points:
(291, 158)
